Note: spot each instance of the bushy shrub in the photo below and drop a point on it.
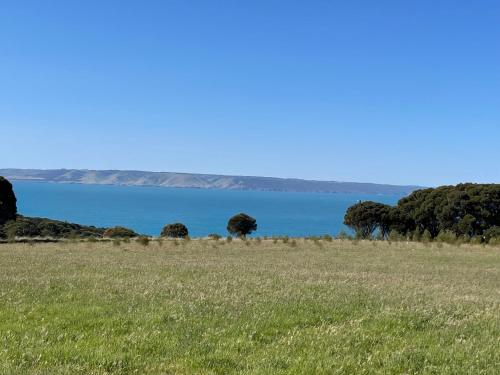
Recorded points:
(426, 236)
(394, 236)
(446, 236)
(119, 232)
(214, 236)
(416, 235)
(462, 239)
(175, 230)
(143, 240)
(495, 241)
(241, 224)
(476, 240)
(40, 227)
(493, 232)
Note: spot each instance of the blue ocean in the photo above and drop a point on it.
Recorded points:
(148, 209)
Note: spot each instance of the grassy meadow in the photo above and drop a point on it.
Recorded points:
(267, 307)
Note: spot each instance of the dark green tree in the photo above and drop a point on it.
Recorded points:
(8, 201)
(466, 226)
(241, 224)
(465, 209)
(175, 230)
(366, 217)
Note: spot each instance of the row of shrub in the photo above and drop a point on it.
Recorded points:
(462, 213)
(240, 225)
(13, 225)
(469, 212)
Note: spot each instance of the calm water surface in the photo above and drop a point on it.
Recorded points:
(147, 209)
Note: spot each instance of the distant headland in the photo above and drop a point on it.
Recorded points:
(201, 181)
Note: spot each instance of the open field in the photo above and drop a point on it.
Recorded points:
(210, 307)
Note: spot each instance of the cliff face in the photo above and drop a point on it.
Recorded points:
(202, 181)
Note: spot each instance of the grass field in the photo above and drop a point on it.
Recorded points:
(208, 307)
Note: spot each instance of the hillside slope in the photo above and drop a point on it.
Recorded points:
(202, 181)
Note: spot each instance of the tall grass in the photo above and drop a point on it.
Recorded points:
(212, 307)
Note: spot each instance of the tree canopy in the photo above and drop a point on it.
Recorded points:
(241, 224)
(175, 230)
(365, 217)
(8, 201)
(468, 210)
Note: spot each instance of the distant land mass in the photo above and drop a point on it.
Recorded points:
(200, 181)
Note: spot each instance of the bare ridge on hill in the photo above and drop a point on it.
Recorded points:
(201, 181)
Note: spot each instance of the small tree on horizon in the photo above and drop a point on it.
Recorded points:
(241, 224)
(175, 230)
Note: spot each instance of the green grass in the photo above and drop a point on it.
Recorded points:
(208, 307)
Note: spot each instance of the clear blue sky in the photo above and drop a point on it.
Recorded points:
(404, 92)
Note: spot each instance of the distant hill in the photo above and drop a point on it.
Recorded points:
(202, 181)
